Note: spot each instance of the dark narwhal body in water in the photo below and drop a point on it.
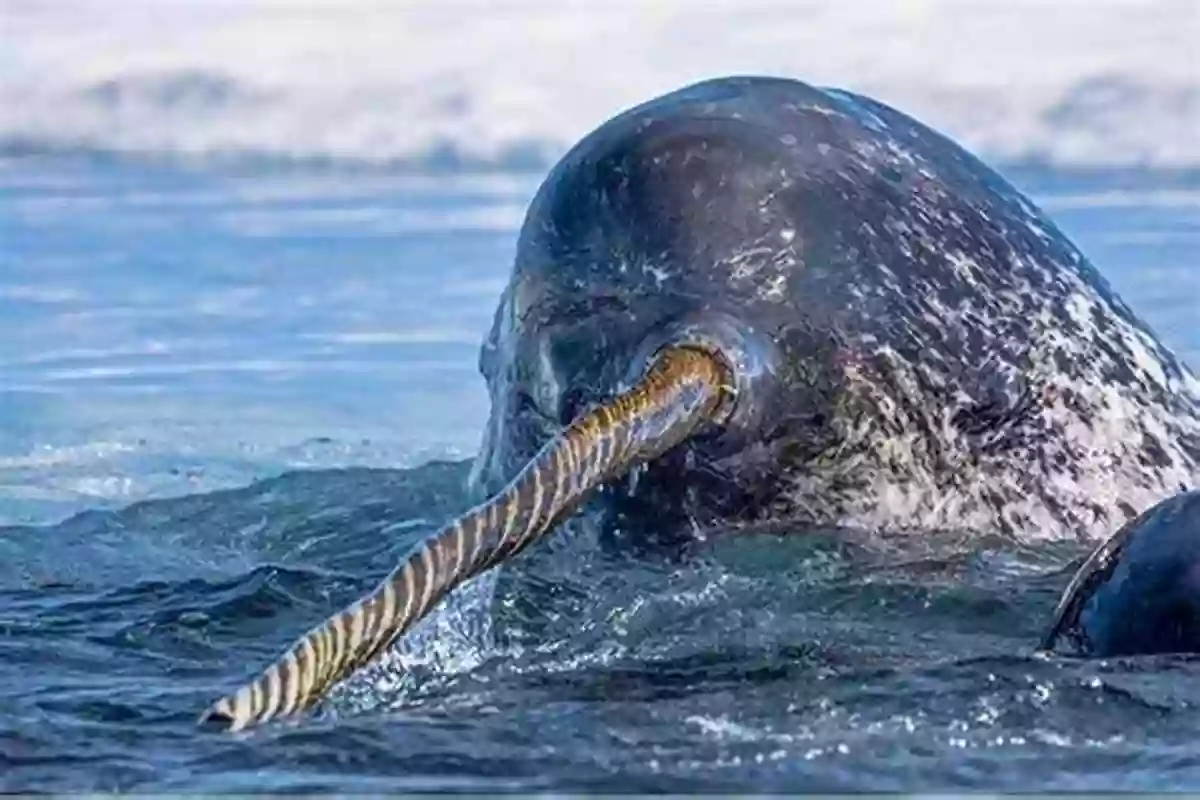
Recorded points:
(1138, 592)
(773, 302)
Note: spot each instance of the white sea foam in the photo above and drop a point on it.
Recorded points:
(1076, 82)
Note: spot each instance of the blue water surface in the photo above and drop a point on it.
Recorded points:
(305, 341)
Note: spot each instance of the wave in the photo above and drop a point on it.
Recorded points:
(455, 84)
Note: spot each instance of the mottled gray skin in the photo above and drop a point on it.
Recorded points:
(938, 354)
(1139, 593)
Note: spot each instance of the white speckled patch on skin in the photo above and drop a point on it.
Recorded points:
(1102, 431)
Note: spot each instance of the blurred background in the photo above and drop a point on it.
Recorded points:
(1096, 83)
(512, 84)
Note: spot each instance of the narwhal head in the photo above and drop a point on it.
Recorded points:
(915, 345)
(668, 237)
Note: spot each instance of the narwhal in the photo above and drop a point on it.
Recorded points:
(1138, 593)
(774, 302)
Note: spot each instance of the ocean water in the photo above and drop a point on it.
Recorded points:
(244, 275)
(232, 399)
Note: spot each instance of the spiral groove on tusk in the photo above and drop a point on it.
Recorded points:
(683, 388)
